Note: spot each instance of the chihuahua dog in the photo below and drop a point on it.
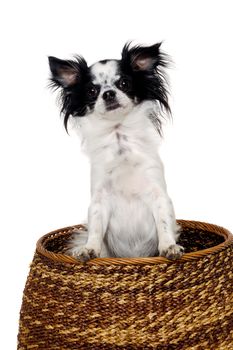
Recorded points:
(118, 106)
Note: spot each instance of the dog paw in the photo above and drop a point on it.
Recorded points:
(84, 254)
(173, 252)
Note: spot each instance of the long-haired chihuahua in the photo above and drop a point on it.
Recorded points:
(118, 107)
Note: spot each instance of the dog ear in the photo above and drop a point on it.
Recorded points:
(66, 73)
(141, 58)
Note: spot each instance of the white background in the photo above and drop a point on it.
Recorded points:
(45, 178)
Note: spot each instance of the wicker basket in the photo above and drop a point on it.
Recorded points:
(132, 304)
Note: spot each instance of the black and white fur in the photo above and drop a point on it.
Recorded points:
(118, 105)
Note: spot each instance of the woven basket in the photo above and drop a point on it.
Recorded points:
(132, 304)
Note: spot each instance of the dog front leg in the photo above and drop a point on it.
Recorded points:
(98, 216)
(167, 228)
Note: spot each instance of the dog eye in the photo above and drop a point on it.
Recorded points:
(92, 91)
(124, 84)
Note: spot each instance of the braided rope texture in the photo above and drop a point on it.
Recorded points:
(132, 304)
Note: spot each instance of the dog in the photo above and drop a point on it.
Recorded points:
(118, 106)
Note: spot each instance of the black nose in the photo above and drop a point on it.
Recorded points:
(109, 95)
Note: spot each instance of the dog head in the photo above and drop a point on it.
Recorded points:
(111, 87)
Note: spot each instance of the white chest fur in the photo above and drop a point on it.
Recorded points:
(125, 170)
(122, 148)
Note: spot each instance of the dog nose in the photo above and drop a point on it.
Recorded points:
(109, 95)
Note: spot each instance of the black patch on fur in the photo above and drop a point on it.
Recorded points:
(149, 84)
(104, 61)
(74, 98)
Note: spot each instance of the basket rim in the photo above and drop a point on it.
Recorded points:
(62, 258)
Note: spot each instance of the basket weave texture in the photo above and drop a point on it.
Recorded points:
(132, 304)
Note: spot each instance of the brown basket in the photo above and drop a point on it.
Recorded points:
(134, 303)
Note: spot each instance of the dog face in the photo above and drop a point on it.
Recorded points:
(110, 87)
